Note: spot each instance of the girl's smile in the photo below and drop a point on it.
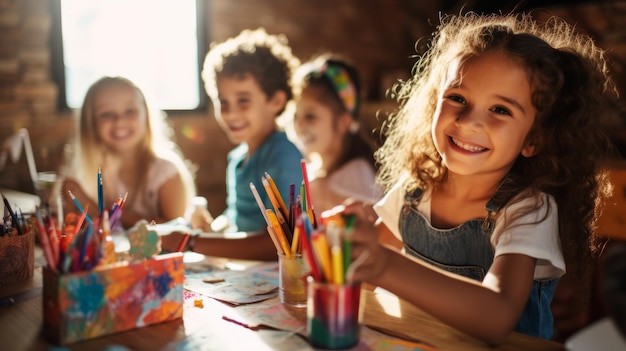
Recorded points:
(318, 129)
(484, 115)
(120, 117)
(466, 147)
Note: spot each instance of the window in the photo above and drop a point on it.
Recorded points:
(158, 44)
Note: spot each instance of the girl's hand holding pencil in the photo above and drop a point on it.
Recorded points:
(367, 256)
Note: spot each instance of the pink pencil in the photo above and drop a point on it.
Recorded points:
(45, 242)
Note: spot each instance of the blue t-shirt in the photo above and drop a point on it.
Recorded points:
(280, 159)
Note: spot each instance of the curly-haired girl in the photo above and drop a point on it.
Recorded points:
(493, 170)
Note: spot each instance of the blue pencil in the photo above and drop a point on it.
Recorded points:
(79, 207)
(100, 193)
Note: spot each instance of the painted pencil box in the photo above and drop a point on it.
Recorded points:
(84, 305)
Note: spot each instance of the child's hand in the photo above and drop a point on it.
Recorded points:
(201, 219)
(368, 255)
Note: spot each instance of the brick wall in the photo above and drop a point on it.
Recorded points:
(379, 35)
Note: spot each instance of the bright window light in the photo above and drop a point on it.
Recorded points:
(152, 42)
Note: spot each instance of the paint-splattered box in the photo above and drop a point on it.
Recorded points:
(86, 305)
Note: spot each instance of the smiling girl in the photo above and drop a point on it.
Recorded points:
(340, 158)
(119, 134)
(494, 173)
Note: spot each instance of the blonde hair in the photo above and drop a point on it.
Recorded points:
(87, 153)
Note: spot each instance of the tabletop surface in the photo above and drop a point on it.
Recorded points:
(388, 323)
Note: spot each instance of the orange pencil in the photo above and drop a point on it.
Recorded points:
(280, 236)
(279, 215)
(281, 203)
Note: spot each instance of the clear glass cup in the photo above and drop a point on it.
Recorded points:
(292, 280)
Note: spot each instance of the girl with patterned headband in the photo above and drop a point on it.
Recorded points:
(326, 126)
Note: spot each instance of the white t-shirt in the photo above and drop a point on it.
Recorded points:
(147, 203)
(357, 180)
(537, 240)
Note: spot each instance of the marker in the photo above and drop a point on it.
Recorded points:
(14, 220)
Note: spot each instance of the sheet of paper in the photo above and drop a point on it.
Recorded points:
(236, 287)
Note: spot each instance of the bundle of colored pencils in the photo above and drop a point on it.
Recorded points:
(82, 243)
(294, 230)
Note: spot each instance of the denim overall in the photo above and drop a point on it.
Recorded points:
(466, 250)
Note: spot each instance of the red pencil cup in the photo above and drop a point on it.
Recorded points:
(333, 314)
(292, 280)
(17, 257)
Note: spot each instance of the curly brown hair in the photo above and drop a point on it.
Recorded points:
(571, 86)
(267, 58)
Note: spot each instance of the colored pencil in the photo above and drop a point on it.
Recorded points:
(100, 193)
(305, 178)
(45, 241)
(307, 251)
(280, 235)
(259, 202)
(278, 211)
(279, 198)
(183, 241)
(272, 235)
(79, 206)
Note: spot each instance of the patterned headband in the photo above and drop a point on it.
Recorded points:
(342, 84)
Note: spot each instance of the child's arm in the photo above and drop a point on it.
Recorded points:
(241, 245)
(251, 246)
(172, 203)
(173, 198)
(488, 310)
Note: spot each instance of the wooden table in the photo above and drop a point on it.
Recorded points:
(201, 329)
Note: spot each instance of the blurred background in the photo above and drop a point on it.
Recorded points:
(46, 46)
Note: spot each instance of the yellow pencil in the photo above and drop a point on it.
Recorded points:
(333, 232)
(281, 203)
(337, 261)
(280, 235)
(275, 240)
(295, 243)
(322, 252)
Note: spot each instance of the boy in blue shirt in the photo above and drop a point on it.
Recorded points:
(248, 79)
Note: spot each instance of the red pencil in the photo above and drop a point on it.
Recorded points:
(183, 241)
